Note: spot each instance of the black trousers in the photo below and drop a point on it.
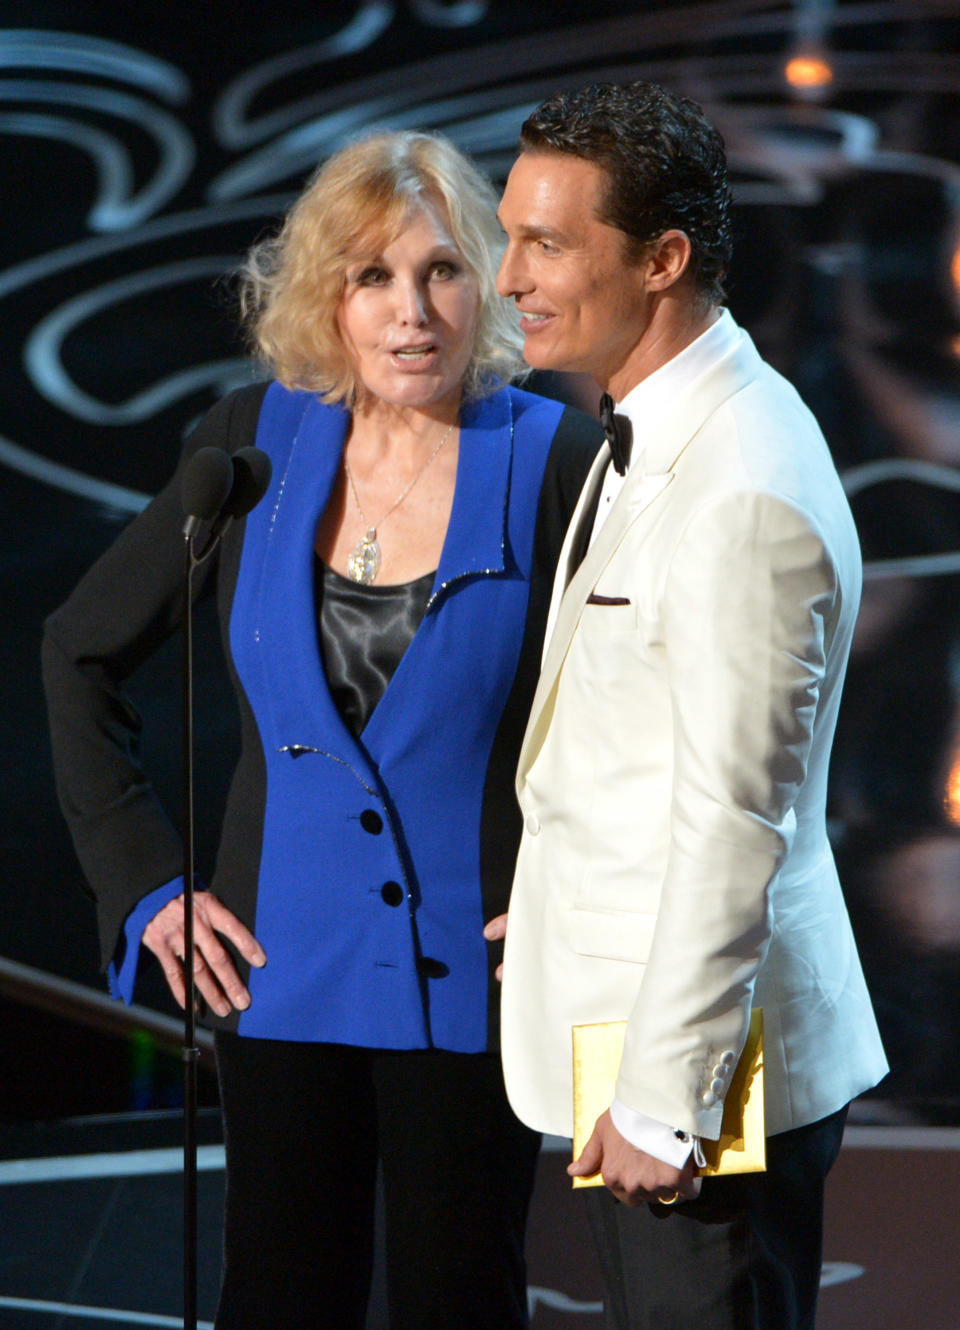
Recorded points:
(746, 1255)
(305, 1126)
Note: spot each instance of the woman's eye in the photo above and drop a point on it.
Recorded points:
(444, 270)
(371, 277)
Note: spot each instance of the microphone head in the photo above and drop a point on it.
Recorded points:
(206, 483)
(252, 470)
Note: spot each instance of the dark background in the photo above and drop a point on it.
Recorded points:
(143, 147)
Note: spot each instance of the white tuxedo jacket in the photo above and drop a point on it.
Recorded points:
(674, 867)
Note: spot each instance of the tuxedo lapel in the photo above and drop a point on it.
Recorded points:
(645, 482)
(571, 602)
(576, 537)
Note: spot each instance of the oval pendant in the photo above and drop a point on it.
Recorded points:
(363, 561)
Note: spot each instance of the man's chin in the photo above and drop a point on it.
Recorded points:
(543, 357)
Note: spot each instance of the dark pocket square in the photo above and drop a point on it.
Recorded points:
(594, 599)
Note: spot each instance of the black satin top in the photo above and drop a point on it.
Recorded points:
(363, 632)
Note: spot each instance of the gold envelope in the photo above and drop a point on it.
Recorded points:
(742, 1147)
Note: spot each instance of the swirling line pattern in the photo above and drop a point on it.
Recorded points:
(782, 153)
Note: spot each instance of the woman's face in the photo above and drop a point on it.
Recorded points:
(408, 315)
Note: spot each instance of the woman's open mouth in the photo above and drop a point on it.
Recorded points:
(413, 355)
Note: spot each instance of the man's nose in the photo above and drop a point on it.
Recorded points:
(510, 278)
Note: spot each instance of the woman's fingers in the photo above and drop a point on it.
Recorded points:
(226, 922)
(173, 973)
(219, 987)
(215, 976)
(495, 929)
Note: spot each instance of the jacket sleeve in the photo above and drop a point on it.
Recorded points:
(121, 611)
(750, 602)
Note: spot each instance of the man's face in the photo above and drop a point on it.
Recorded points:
(584, 306)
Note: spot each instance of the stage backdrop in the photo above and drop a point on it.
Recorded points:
(143, 147)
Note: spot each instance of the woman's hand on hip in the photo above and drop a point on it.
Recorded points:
(214, 973)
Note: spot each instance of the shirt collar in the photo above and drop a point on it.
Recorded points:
(656, 396)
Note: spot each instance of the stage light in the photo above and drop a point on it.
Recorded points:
(808, 69)
(951, 797)
(955, 283)
(955, 270)
(809, 72)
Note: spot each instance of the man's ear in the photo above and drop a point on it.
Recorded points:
(667, 259)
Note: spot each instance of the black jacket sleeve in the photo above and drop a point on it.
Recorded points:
(129, 602)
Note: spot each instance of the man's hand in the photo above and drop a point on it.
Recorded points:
(632, 1175)
(496, 931)
(214, 973)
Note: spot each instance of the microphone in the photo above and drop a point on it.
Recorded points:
(252, 470)
(218, 487)
(205, 487)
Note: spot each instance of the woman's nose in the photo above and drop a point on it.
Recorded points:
(411, 303)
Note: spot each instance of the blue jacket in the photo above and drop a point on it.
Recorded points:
(365, 867)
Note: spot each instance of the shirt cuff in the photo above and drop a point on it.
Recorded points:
(122, 979)
(668, 1144)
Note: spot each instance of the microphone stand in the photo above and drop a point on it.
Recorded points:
(220, 489)
(191, 1053)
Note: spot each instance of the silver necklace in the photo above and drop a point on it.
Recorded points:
(363, 561)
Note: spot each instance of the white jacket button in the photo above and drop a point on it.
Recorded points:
(708, 1099)
(533, 824)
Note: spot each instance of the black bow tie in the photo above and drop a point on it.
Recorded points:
(619, 434)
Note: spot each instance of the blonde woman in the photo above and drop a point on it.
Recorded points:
(383, 611)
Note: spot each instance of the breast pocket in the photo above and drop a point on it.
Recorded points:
(609, 613)
(607, 643)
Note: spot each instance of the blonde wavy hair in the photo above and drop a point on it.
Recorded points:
(358, 202)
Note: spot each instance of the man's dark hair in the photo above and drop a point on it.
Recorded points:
(665, 165)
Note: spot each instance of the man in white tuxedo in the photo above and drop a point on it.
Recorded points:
(675, 869)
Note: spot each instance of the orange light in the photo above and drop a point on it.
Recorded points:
(808, 71)
(951, 797)
(955, 269)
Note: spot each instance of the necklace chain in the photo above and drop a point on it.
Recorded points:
(363, 561)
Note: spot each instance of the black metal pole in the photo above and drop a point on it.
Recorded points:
(215, 489)
(191, 1053)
